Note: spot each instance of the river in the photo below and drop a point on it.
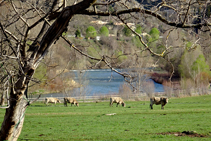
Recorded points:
(98, 82)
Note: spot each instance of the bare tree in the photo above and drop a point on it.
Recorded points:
(29, 28)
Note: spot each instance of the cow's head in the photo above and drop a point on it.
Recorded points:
(123, 104)
(59, 101)
(77, 104)
(165, 100)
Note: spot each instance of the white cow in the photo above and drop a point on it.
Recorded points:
(70, 100)
(51, 100)
(117, 100)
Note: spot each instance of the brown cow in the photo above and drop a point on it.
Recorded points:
(117, 100)
(51, 100)
(158, 100)
(70, 100)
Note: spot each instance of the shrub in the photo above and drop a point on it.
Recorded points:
(77, 33)
(138, 29)
(154, 33)
(127, 32)
(91, 32)
(104, 31)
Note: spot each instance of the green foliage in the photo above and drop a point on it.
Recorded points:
(137, 41)
(154, 33)
(64, 34)
(77, 33)
(192, 63)
(120, 56)
(138, 29)
(134, 122)
(200, 65)
(127, 32)
(104, 31)
(91, 32)
(188, 45)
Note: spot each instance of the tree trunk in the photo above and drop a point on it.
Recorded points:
(14, 117)
(2, 99)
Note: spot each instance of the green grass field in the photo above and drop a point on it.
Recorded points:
(136, 121)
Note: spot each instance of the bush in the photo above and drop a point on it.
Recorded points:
(104, 31)
(127, 32)
(77, 33)
(154, 33)
(138, 29)
(91, 32)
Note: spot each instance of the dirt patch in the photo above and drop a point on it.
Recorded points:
(184, 133)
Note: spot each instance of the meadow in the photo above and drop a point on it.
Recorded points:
(134, 122)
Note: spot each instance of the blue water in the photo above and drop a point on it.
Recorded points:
(99, 82)
(104, 81)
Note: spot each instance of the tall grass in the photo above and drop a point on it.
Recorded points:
(135, 122)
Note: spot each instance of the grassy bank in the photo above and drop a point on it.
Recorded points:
(134, 122)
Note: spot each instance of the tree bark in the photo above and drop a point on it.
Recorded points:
(14, 117)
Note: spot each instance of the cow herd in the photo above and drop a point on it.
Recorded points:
(66, 100)
(118, 100)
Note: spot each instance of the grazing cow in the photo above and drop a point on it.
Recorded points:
(158, 100)
(117, 100)
(70, 100)
(51, 100)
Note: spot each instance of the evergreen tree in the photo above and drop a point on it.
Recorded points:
(77, 33)
(104, 31)
(91, 32)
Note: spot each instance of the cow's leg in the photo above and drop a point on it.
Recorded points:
(151, 106)
(117, 104)
(65, 103)
(111, 104)
(162, 105)
(71, 104)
